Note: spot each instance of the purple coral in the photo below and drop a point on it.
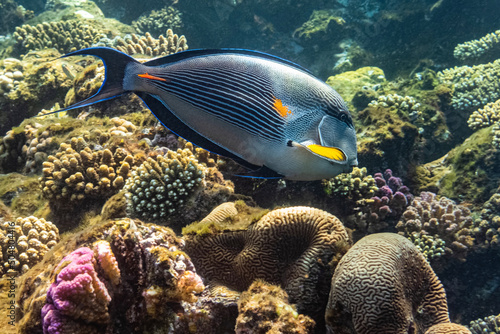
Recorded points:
(76, 295)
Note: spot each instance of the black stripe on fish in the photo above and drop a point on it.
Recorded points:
(169, 120)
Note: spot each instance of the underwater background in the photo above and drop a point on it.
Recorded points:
(110, 223)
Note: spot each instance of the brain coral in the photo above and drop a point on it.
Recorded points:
(264, 308)
(65, 36)
(448, 328)
(77, 172)
(290, 247)
(161, 185)
(384, 285)
(442, 219)
(24, 242)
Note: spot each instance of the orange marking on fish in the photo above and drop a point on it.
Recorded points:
(281, 109)
(152, 77)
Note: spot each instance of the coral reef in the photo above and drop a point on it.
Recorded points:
(383, 209)
(321, 26)
(149, 46)
(77, 172)
(478, 47)
(447, 328)
(290, 247)
(11, 15)
(24, 242)
(161, 185)
(264, 308)
(389, 267)
(158, 21)
(64, 36)
(443, 220)
(489, 324)
(474, 87)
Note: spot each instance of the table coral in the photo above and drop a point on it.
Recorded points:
(65, 36)
(24, 242)
(158, 21)
(478, 47)
(147, 45)
(290, 247)
(161, 185)
(383, 284)
(264, 308)
(77, 172)
(442, 219)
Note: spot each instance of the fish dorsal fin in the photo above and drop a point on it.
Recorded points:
(209, 52)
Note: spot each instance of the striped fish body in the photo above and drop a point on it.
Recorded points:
(266, 113)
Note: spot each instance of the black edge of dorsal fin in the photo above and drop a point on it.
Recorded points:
(207, 52)
(169, 120)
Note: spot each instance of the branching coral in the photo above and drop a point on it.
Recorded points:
(290, 247)
(161, 185)
(158, 21)
(486, 116)
(474, 87)
(407, 104)
(77, 172)
(24, 242)
(383, 284)
(442, 219)
(65, 36)
(487, 226)
(264, 308)
(489, 324)
(147, 45)
(476, 48)
(11, 73)
(352, 186)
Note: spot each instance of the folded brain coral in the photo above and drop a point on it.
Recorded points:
(65, 36)
(290, 247)
(384, 285)
(264, 308)
(448, 328)
(161, 185)
(24, 242)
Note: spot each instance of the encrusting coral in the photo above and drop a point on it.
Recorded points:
(478, 47)
(442, 219)
(290, 247)
(264, 308)
(147, 45)
(158, 21)
(65, 36)
(24, 242)
(161, 185)
(384, 285)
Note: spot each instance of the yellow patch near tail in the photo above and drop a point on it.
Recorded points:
(149, 76)
(281, 109)
(327, 152)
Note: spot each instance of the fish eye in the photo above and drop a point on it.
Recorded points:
(343, 117)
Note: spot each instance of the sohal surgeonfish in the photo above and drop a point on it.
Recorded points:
(266, 113)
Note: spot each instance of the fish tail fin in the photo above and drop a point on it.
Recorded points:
(115, 63)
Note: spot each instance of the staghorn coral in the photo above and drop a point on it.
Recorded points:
(77, 172)
(64, 36)
(352, 186)
(264, 308)
(289, 247)
(158, 21)
(24, 242)
(161, 185)
(474, 87)
(442, 219)
(447, 328)
(147, 45)
(478, 47)
(486, 116)
(383, 284)
(490, 325)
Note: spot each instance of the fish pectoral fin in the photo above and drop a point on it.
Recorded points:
(329, 153)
